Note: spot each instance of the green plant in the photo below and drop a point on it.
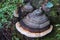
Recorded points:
(6, 9)
(55, 2)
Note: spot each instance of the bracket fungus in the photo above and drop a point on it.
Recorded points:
(35, 23)
(33, 4)
(24, 9)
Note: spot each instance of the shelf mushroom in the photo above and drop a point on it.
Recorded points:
(35, 24)
(24, 9)
(33, 4)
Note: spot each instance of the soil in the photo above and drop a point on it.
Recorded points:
(5, 34)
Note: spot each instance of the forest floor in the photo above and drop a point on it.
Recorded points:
(12, 34)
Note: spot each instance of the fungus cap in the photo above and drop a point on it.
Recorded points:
(30, 34)
(35, 24)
